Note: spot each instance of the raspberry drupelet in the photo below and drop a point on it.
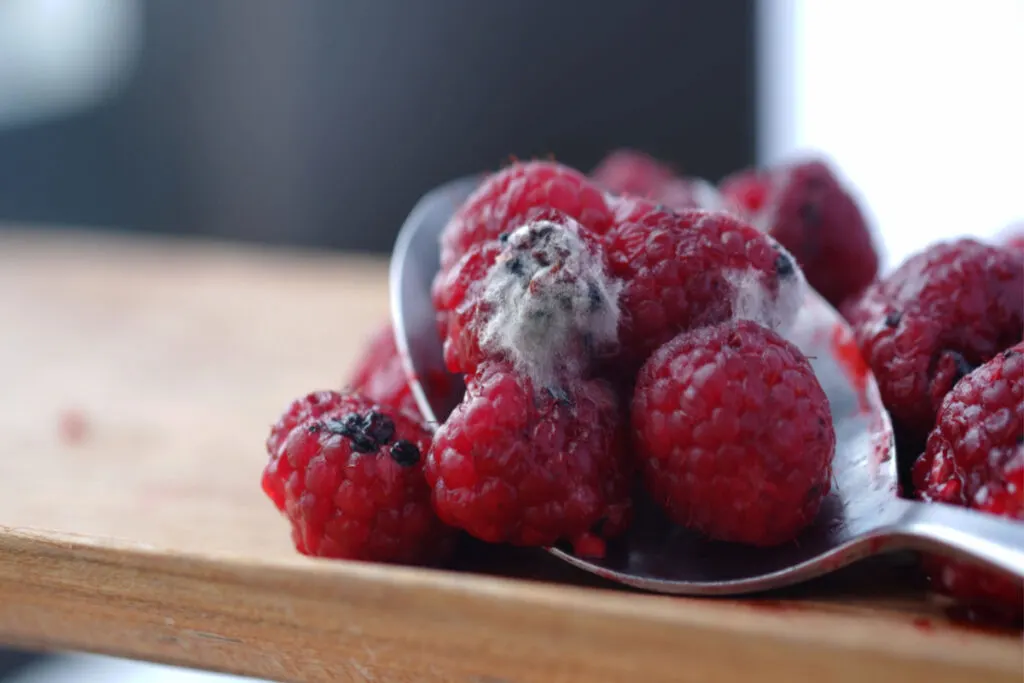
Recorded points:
(533, 465)
(349, 478)
(975, 458)
(804, 206)
(734, 434)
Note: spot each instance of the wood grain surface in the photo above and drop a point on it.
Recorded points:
(139, 379)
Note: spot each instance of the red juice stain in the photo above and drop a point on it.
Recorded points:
(845, 350)
(924, 624)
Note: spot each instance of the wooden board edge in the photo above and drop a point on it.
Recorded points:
(309, 621)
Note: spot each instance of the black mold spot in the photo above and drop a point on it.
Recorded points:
(503, 238)
(1010, 353)
(405, 453)
(367, 433)
(544, 232)
(594, 299)
(963, 368)
(784, 266)
(514, 266)
(893, 318)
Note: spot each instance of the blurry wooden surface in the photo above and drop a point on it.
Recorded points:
(138, 382)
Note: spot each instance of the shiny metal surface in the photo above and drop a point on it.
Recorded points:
(862, 515)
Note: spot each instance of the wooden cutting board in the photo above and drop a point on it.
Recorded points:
(138, 382)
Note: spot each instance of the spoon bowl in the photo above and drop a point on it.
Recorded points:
(862, 515)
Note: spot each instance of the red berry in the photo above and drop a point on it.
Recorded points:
(502, 201)
(636, 174)
(975, 458)
(694, 268)
(734, 434)
(531, 465)
(627, 171)
(349, 478)
(540, 297)
(808, 211)
(380, 376)
(943, 312)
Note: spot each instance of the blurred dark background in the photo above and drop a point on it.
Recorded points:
(320, 123)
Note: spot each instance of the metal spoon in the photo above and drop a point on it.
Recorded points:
(862, 516)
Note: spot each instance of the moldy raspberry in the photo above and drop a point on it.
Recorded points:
(975, 458)
(694, 268)
(533, 465)
(942, 313)
(349, 478)
(541, 297)
(734, 434)
(500, 203)
(804, 207)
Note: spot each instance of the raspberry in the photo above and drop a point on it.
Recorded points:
(694, 268)
(349, 478)
(502, 201)
(637, 174)
(734, 434)
(541, 297)
(943, 312)
(532, 466)
(975, 458)
(806, 209)
(627, 171)
(380, 376)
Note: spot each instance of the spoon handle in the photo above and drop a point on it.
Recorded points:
(960, 532)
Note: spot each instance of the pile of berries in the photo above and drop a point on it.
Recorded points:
(605, 340)
(630, 327)
(942, 334)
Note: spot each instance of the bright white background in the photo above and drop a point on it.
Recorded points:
(920, 104)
